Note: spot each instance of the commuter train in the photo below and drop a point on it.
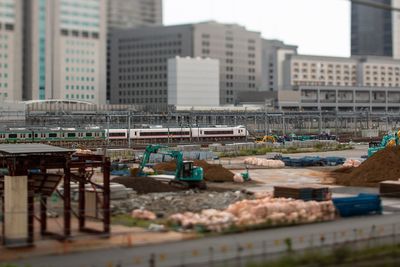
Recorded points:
(16, 135)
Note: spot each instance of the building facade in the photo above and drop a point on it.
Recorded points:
(342, 99)
(339, 71)
(139, 59)
(193, 82)
(127, 14)
(372, 30)
(11, 50)
(343, 84)
(273, 55)
(65, 50)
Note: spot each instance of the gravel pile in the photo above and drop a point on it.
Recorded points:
(166, 204)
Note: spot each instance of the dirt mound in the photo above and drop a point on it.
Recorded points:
(169, 166)
(144, 185)
(383, 165)
(212, 172)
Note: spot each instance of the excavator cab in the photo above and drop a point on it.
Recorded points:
(187, 168)
(185, 174)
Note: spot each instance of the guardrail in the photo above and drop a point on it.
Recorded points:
(230, 250)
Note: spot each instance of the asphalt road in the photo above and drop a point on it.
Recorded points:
(205, 251)
(357, 152)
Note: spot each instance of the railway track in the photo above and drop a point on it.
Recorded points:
(95, 144)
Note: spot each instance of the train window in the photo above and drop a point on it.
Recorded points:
(12, 135)
(71, 135)
(51, 135)
(163, 133)
(116, 134)
(30, 135)
(218, 132)
(36, 135)
(89, 135)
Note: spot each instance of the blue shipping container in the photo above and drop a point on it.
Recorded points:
(363, 204)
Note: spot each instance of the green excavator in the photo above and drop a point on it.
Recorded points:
(186, 174)
(389, 140)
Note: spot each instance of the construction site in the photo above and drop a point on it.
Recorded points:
(195, 204)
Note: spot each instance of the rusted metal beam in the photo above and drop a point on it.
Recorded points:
(106, 194)
(43, 214)
(31, 209)
(67, 200)
(81, 204)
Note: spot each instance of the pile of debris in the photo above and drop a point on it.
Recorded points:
(144, 185)
(165, 204)
(267, 163)
(212, 172)
(383, 165)
(267, 210)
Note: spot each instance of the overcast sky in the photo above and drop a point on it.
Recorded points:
(318, 27)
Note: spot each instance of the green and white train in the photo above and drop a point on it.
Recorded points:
(23, 135)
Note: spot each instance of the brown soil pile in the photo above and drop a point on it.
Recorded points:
(212, 172)
(383, 165)
(144, 185)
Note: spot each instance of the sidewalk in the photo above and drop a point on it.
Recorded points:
(121, 236)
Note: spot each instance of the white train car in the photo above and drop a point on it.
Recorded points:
(117, 134)
(219, 133)
(161, 133)
(180, 134)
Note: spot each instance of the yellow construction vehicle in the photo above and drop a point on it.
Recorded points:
(266, 139)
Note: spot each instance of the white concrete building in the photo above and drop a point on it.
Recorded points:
(193, 82)
(11, 50)
(65, 54)
(340, 71)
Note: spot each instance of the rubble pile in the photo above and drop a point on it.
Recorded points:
(268, 163)
(143, 214)
(266, 210)
(165, 204)
(351, 163)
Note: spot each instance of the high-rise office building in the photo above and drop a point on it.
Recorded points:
(396, 29)
(65, 50)
(10, 50)
(372, 30)
(139, 59)
(127, 14)
(273, 55)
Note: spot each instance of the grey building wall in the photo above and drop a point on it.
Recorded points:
(238, 51)
(65, 50)
(11, 32)
(371, 30)
(139, 59)
(139, 54)
(273, 54)
(127, 14)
